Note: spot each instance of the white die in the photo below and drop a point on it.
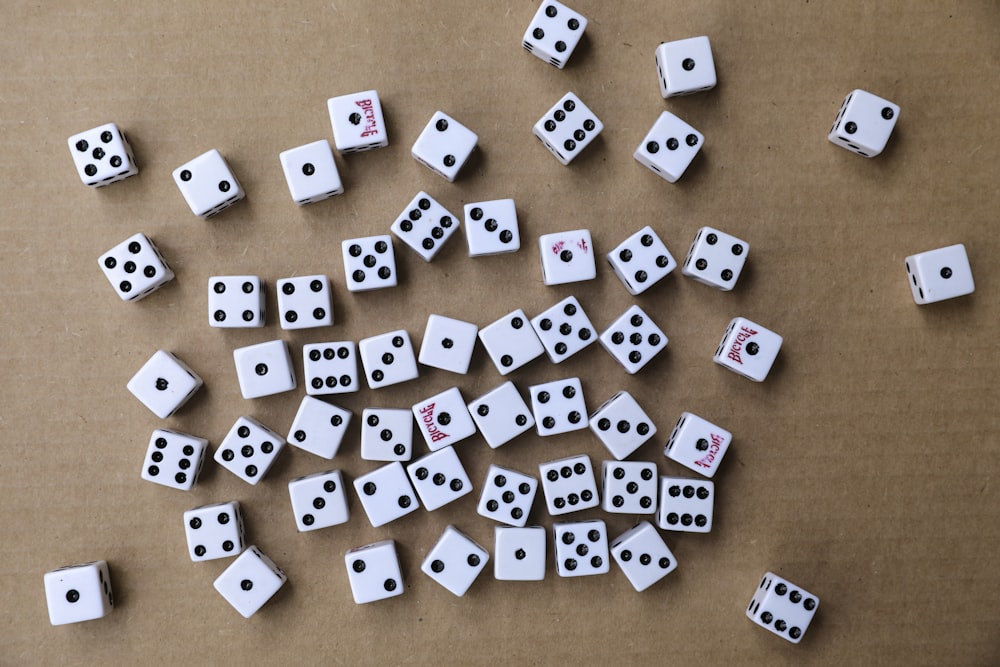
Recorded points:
(782, 607)
(448, 344)
(444, 419)
(633, 339)
(425, 225)
(507, 496)
(643, 555)
(235, 302)
(311, 172)
(581, 548)
(501, 415)
(386, 434)
(373, 571)
(249, 450)
(330, 368)
(135, 268)
(319, 500)
(174, 459)
(519, 553)
(622, 425)
(164, 384)
(318, 427)
(698, 444)
(558, 406)
(864, 123)
(79, 592)
(444, 145)
(716, 258)
(629, 487)
(455, 561)
(388, 359)
(439, 478)
(685, 505)
(491, 227)
(567, 128)
(358, 124)
(748, 349)
(214, 531)
(264, 369)
(669, 147)
(386, 494)
(102, 155)
(567, 257)
(511, 342)
(250, 581)
(304, 302)
(554, 32)
(940, 274)
(369, 263)
(685, 66)
(208, 184)
(564, 329)
(569, 485)
(641, 261)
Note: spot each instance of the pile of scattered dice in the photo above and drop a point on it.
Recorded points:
(135, 268)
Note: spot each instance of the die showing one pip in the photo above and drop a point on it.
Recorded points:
(102, 155)
(164, 384)
(208, 184)
(698, 444)
(448, 344)
(567, 257)
(864, 123)
(264, 369)
(311, 172)
(748, 349)
(519, 553)
(444, 419)
(79, 592)
(782, 607)
(358, 124)
(685, 66)
(250, 581)
(940, 274)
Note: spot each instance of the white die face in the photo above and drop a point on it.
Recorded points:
(511, 342)
(630, 487)
(685, 505)
(425, 226)
(164, 384)
(373, 571)
(319, 427)
(386, 494)
(439, 478)
(455, 561)
(940, 274)
(330, 368)
(319, 501)
(564, 329)
(264, 369)
(250, 581)
(622, 425)
(444, 145)
(102, 156)
(235, 302)
(567, 128)
(558, 406)
(501, 415)
(135, 268)
(698, 444)
(569, 485)
(448, 344)
(369, 263)
(641, 261)
(357, 122)
(444, 419)
(748, 349)
(388, 359)
(716, 258)
(304, 302)
(782, 607)
(864, 123)
(249, 449)
(507, 496)
(554, 32)
(311, 172)
(174, 459)
(214, 531)
(685, 66)
(567, 257)
(643, 555)
(78, 593)
(519, 553)
(386, 434)
(633, 339)
(491, 227)
(669, 147)
(581, 548)
(208, 185)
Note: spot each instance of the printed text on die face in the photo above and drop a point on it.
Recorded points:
(734, 350)
(427, 416)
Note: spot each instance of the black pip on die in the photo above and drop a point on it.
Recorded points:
(748, 349)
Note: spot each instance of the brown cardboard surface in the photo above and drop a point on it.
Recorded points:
(863, 469)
